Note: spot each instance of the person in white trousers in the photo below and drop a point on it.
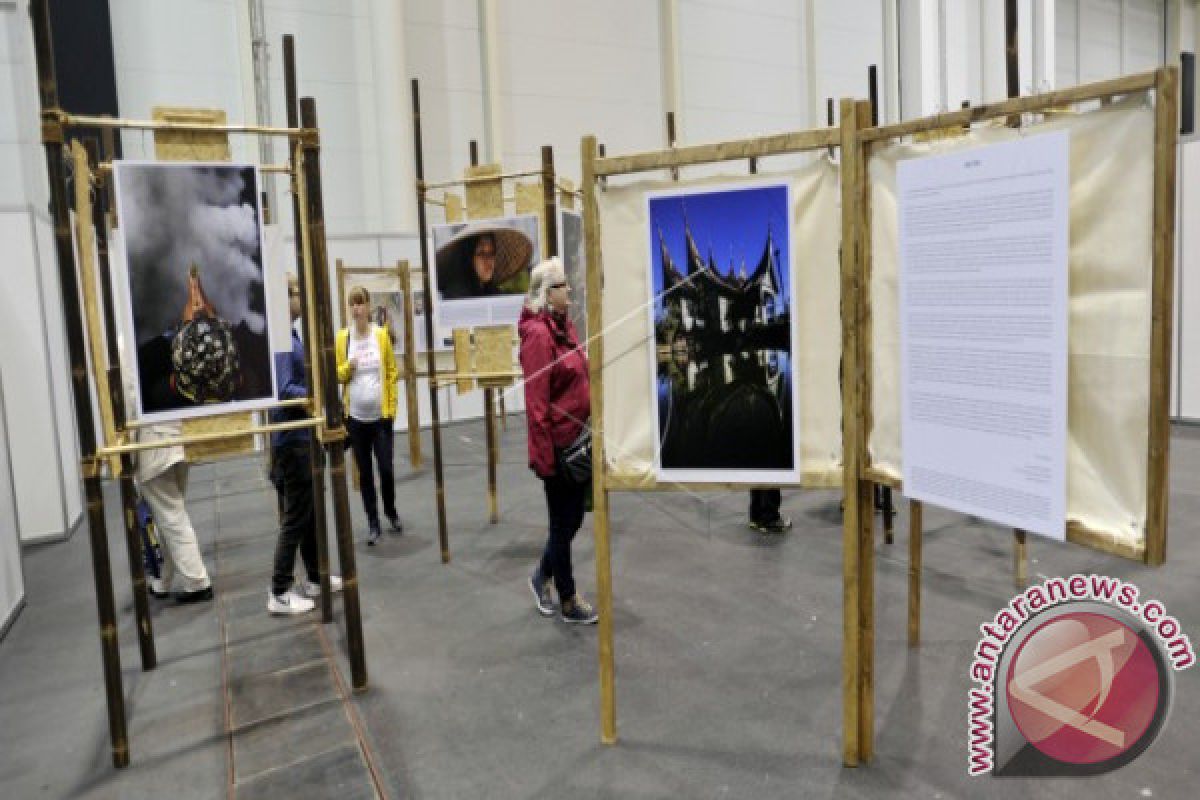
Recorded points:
(161, 476)
(162, 480)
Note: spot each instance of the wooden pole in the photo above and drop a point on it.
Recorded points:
(1166, 139)
(336, 452)
(430, 362)
(866, 533)
(916, 519)
(856, 491)
(307, 313)
(1020, 558)
(52, 139)
(489, 427)
(1012, 75)
(595, 309)
(133, 541)
(410, 368)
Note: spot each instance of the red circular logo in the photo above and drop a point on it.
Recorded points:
(1083, 688)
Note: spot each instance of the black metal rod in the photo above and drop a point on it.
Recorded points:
(334, 417)
(52, 139)
(550, 200)
(116, 392)
(1012, 67)
(430, 361)
(671, 141)
(873, 94)
(320, 513)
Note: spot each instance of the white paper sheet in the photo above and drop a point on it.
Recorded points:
(983, 321)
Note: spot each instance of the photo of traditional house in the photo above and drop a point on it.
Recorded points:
(724, 334)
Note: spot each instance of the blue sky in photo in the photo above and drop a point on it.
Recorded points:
(731, 222)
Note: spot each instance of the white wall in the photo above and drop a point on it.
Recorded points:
(742, 70)
(1099, 39)
(12, 577)
(41, 441)
(568, 68)
(846, 37)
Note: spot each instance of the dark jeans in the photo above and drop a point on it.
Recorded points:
(293, 473)
(564, 502)
(367, 438)
(764, 505)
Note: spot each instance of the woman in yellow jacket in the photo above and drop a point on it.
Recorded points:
(366, 367)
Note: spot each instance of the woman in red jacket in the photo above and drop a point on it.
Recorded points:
(557, 408)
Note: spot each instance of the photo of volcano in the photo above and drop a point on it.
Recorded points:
(724, 334)
(193, 274)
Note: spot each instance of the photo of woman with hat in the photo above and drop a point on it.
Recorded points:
(485, 258)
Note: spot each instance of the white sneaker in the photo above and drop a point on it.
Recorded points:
(288, 603)
(311, 589)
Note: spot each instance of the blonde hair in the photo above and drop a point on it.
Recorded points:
(358, 295)
(543, 276)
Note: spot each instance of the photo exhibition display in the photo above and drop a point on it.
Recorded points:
(983, 322)
(482, 271)
(192, 275)
(721, 308)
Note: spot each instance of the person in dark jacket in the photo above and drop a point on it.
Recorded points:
(292, 475)
(557, 408)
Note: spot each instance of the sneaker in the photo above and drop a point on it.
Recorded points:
(373, 534)
(313, 589)
(541, 593)
(288, 603)
(394, 524)
(156, 588)
(578, 610)
(779, 525)
(197, 596)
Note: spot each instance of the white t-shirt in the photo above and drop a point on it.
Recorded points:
(366, 384)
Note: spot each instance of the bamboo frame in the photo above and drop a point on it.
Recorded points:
(299, 195)
(1018, 105)
(83, 327)
(596, 170)
(916, 525)
(67, 120)
(484, 190)
(133, 539)
(204, 438)
(1163, 82)
(467, 180)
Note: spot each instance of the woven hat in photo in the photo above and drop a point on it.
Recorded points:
(513, 249)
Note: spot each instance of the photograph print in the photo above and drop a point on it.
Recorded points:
(191, 237)
(482, 270)
(721, 309)
(574, 257)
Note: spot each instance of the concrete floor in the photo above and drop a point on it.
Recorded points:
(728, 657)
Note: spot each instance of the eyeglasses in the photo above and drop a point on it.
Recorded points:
(558, 285)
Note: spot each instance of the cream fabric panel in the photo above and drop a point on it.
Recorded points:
(629, 438)
(1111, 263)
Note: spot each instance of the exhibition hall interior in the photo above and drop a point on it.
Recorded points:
(624, 399)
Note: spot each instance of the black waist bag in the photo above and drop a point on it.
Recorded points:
(575, 460)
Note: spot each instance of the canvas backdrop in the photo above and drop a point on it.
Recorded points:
(629, 421)
(1111, 270)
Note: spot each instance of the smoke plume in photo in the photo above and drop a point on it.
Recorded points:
(173, 217)
(176, 216)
